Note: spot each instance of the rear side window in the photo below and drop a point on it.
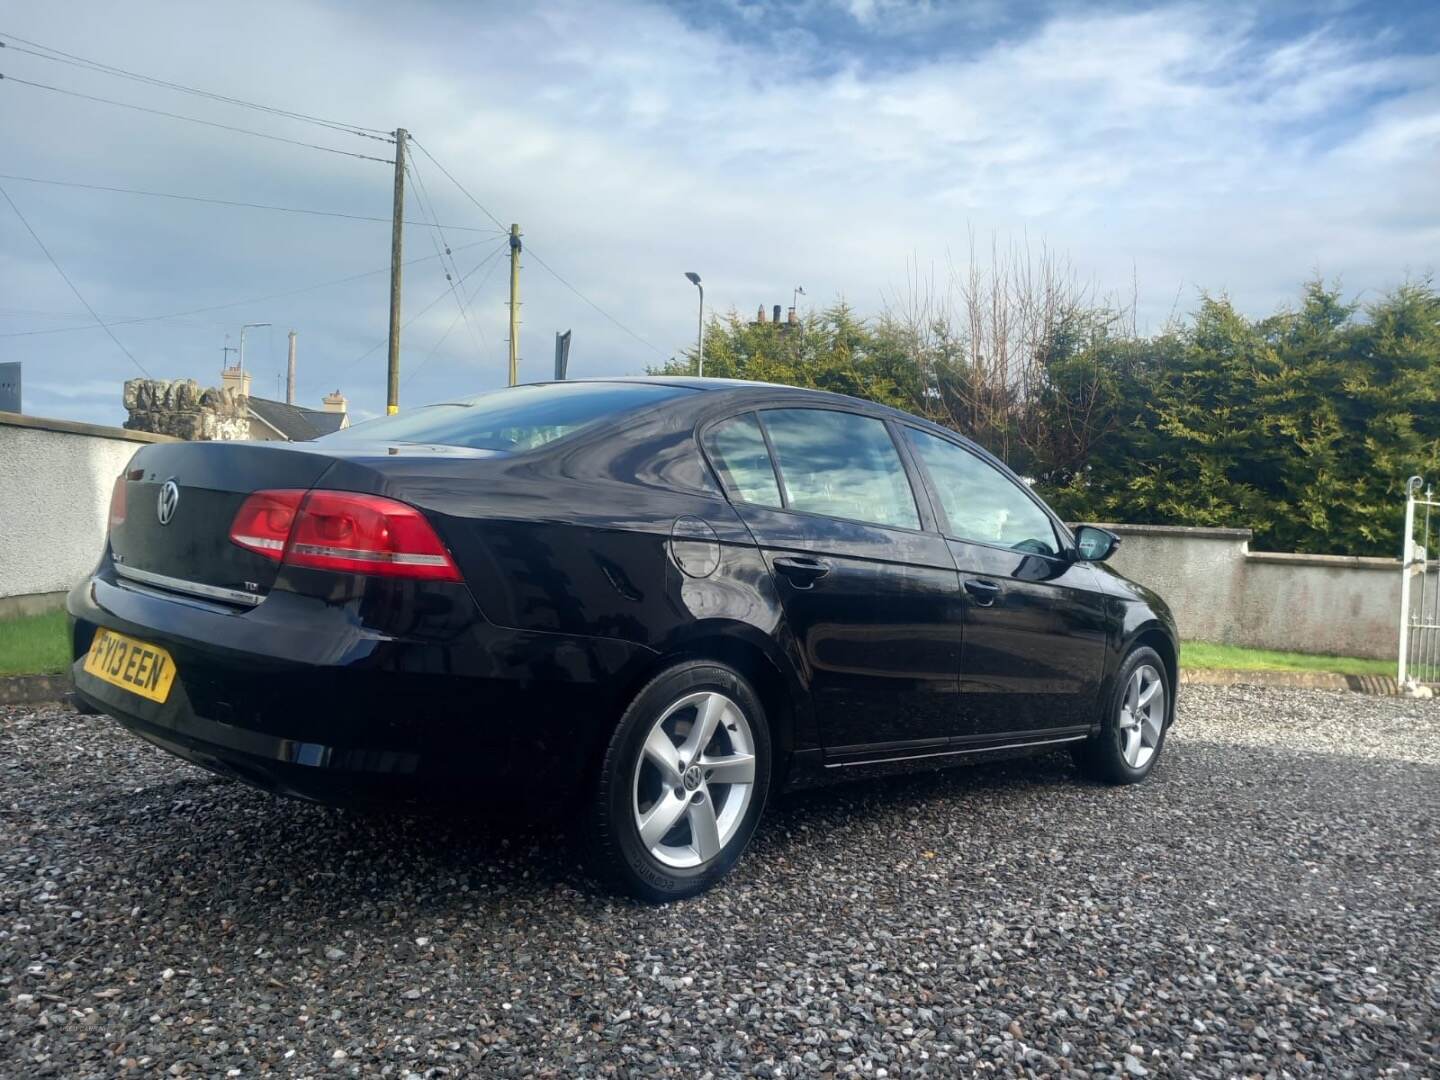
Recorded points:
(516, 418)
(980, 502)
(842, 465)
(738, 449)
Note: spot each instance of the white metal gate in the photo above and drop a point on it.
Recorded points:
(1420, 587)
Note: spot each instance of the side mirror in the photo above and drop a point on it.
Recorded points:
(1095, 544)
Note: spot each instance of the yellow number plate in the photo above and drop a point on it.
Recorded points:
(132, 665)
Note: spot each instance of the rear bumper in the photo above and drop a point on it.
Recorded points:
(299, 697)
(305, 770)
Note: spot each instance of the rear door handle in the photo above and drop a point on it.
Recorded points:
(983, 592)
(802, 572)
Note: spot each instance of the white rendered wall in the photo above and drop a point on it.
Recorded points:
(55, 483)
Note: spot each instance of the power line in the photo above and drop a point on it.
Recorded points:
(437, 239)
(531, 251)
(463, 190)
(61, 57)
(368, 352)
(64, 316)
(78, 296)
(226, 202)
(195, 120)
(233, 303)
(455, 321)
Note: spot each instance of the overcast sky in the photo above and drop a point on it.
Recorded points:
(829, 144)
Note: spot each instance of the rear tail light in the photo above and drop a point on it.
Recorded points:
(117, 502)
(341, 531)
(366, 534)
(263, 522)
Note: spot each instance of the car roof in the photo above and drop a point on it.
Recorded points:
(740, 392)
(690, 382)
(747, 389)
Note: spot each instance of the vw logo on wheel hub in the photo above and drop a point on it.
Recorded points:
(166, 504)
(692, 778)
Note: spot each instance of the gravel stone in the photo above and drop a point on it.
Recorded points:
(1266, 904)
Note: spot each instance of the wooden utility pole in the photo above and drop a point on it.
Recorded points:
(515, 248)
(397, 237)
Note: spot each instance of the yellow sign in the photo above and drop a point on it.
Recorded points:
(132, 665)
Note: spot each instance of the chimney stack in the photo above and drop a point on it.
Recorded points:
(235, 378)
(290, 373)
(334, 402)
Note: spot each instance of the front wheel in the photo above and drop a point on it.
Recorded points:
(681, 785)
(1132, 732)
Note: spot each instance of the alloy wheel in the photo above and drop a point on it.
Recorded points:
(694, 779)
(1142, 716)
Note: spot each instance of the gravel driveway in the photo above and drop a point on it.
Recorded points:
(1267, 904)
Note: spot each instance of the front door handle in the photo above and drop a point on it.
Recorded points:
(802, 571)
(983, 592)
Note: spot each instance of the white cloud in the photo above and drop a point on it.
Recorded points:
(632, 145)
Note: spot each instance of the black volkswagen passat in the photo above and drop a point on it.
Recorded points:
(666, 598)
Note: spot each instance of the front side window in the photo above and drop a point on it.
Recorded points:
(738, 450)
(980, 502)
(842, 465)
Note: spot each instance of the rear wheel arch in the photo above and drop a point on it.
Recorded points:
(730, 645)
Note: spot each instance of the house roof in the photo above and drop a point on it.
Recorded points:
(295, 422)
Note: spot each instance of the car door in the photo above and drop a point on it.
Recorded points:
(870, 595)
(1034, 646)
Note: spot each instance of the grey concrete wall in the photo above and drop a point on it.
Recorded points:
(1222, 591)
(55, 483)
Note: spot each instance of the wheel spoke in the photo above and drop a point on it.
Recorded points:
(661, 818)
(664, 755)
(1132, 694)
(1150, 729)
(707, 719)
(1148, 693)
(1131, 748)
(704, 830)
(730, 769)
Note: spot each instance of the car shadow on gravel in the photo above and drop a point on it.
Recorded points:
(237, 850)
(222, 836)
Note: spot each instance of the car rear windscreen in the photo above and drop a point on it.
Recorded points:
(516, 418)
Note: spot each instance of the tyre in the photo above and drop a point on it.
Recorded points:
(1132, 731)
(681, 784)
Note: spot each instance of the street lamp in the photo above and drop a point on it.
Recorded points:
(700, 346)
(247, 326)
